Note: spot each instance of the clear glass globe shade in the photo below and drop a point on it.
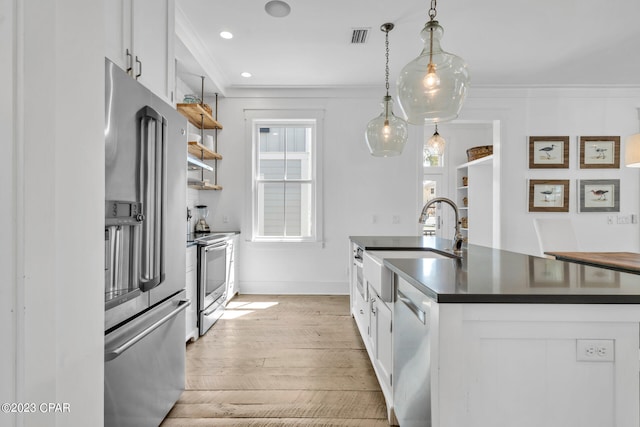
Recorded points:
(435, 145)
(433, 94)
(387, 134)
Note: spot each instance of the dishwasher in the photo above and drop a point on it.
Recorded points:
(412, 356)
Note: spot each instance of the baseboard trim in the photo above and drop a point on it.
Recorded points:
(294, 288)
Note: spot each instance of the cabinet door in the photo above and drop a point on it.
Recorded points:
(118, 31)
(361, 313)
(231, 273)
(383, 340)
(153, 32)
(191, 283)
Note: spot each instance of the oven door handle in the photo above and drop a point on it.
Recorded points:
(114, 353)
(214, 306)
(217, 246)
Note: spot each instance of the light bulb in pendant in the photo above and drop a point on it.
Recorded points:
(386, 129)
(431, 80)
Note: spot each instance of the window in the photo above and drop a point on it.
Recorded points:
(285, 194)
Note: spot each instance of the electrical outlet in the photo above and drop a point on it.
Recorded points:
(395, 219)
(610, 219)
(624, 219)
(374, 219)
(225, 219)
(595, 350)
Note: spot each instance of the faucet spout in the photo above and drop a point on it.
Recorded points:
(457, 238)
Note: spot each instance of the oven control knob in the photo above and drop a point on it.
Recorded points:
(139, 217)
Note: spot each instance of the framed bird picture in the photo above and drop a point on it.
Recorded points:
(548, 152)
(550, 195)
(597, 152)
(599, 195)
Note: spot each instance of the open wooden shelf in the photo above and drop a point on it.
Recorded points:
(202, 152)
(195, 113)
(204, 186)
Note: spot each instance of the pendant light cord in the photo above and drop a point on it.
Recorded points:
(432, 16)
(386, 67)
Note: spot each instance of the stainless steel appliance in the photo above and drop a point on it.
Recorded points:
(411, 356)
(213, 265)
(145, 192)
(201, 225)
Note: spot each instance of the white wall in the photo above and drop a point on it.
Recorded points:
(359, 186)
(52, 257)
(7, 211)
(573, 112)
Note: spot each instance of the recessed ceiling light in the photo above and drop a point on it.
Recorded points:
(277, 8)
(245, 74)
(226, 35)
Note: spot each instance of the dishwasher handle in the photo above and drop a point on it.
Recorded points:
(420, 314)
(116, 352)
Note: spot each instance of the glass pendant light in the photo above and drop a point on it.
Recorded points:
(386, 134)
(432, 87)
(435, 144)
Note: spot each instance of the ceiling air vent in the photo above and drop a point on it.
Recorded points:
(359, 35)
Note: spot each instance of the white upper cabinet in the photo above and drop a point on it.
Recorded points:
(140, 40)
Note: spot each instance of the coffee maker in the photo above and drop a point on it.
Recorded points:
(201, 225)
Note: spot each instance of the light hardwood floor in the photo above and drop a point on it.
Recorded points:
(280, 361)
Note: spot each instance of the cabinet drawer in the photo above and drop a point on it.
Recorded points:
(378, 276)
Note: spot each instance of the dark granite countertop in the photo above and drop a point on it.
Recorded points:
(486, 275)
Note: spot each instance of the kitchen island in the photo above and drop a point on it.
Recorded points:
(496, 338)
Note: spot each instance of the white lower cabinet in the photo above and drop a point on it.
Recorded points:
(380, 341)
(192, 294)
(232, 262)
(383, 341)
(374, 316)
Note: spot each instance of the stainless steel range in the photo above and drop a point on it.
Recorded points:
(213, 267)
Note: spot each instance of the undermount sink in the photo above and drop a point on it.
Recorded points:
(412, 254)
(378, 276)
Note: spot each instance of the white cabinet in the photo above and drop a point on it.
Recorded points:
(232, 261)
(192, 294)
(475, 200)
(380, 341)
(140, 40)
(373, 315)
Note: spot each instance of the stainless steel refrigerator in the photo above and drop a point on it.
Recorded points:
(145, 300)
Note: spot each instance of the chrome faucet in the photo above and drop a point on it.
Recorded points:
(457, 238)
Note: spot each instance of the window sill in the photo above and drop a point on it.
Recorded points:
(286, 244)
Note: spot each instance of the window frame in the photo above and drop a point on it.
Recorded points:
(254, 120)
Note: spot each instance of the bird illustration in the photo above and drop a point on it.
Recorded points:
(601, 152)
(601, 194)
(546, 193)
(547, 149)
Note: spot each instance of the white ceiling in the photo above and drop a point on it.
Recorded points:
(505, 42)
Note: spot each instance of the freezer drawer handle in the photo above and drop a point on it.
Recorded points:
(112, 354)
(421, 315)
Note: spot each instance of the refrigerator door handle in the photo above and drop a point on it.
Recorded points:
(111, 354)
(153, 193)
